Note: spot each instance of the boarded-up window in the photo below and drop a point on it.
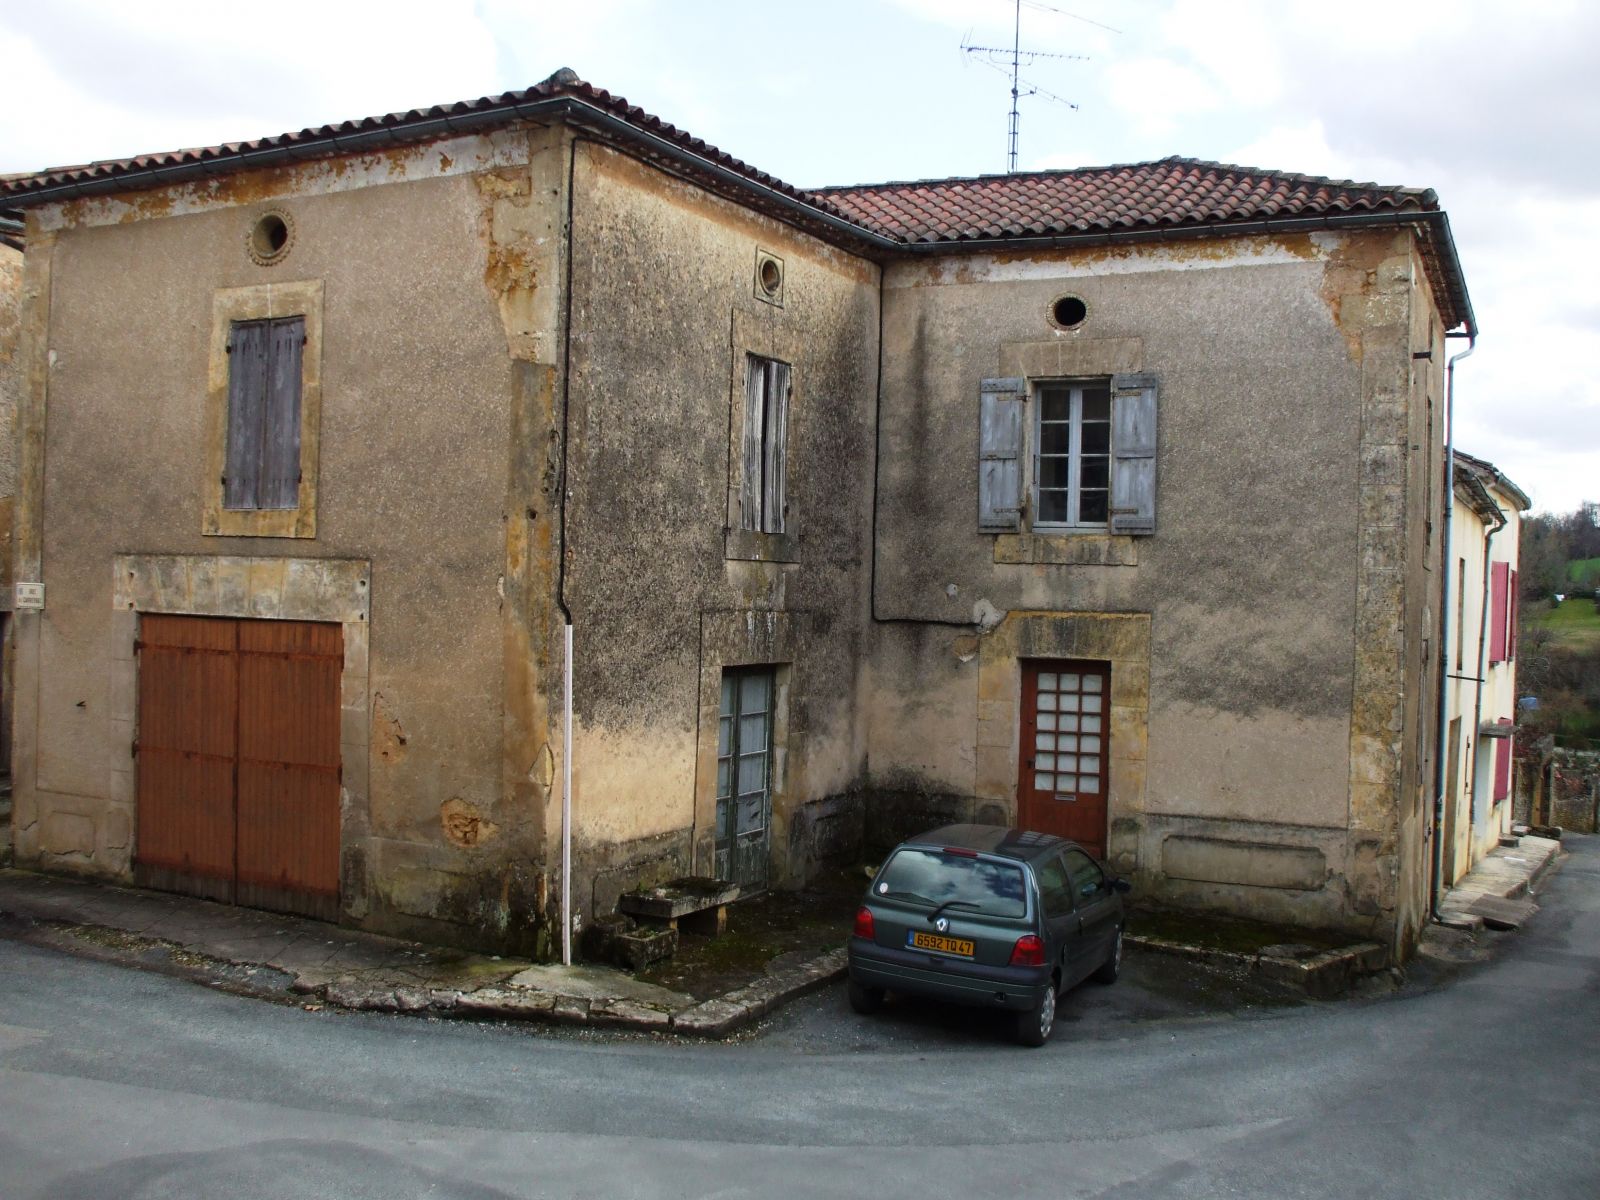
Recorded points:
(766, 411)
(262, 467)
(1499, 594)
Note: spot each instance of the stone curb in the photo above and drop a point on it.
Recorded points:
(1549, 864)
(1321, 976)
(720, 1017)
(714, 1018)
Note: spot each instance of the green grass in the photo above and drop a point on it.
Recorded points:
(1577, 568)
(1574, 622)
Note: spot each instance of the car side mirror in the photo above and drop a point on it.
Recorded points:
(1121, 885)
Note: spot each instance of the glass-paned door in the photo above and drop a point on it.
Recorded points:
(1065, 754)
(744, 775)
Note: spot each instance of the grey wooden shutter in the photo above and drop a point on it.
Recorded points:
(1133, 454)
(1000, 403)
(754, 443)
(247, 400)
(280, 433)
(777, 424)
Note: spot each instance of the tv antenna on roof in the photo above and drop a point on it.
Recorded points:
(995, 56)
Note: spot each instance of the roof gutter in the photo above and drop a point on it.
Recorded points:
(582, 112)
(555, 107)
(1435, 221)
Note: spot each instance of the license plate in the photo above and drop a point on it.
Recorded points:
(944, 945)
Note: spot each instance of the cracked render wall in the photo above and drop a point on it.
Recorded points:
(1269, 715)
(664, 586)
(438, 269)
(11, 380)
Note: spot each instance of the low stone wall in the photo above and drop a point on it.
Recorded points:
(1574, 799)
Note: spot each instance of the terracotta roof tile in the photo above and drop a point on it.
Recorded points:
(1133, 198)
(415, 124)
(1168, 193)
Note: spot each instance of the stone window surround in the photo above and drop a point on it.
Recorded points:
(258, 302)
(287, 589)
(1123, 640)
(1068, 356)
(766, 334)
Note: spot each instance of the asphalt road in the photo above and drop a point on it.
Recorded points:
(122, 1084)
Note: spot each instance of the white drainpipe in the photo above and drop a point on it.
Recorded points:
(566, 803)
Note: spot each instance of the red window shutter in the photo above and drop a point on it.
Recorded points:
(1512, 620)
(1499, 590)
(1502, 765)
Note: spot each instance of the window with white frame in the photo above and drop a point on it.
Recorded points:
(1062, 456)
(1071, 461)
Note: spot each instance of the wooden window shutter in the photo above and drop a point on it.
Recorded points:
(1499, 589)
(750, 486)
(280, 435)
(776, 447)
(248, 355)
(1000, 404)
(1133, 454)
(1514, 605)
(1502, 764)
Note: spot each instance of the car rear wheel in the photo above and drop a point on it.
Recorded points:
(1035, 1026)
(865, 1000)
(1112, 967)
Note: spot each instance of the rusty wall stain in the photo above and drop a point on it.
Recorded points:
(464, 825)
(389, 740)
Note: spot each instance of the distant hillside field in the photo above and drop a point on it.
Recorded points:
(1574, 622)
(1577, 568)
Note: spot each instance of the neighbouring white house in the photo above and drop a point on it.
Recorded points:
(1481, 663)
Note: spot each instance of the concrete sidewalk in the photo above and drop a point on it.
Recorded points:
(1497, 891)
(265, 954)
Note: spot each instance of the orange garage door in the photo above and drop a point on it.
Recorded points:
(238, 761)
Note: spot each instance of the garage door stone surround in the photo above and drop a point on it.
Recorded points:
(289, 589)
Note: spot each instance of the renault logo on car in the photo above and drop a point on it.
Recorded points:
(941, 925)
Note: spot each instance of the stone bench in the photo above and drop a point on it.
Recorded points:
(694, 905)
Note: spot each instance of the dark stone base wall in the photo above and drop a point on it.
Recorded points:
(894, 815)
(822, 834)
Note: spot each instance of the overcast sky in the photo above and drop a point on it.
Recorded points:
(1494, 106)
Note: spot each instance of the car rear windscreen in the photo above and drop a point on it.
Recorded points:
(974, 885)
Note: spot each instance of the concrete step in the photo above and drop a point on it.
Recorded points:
(1503, 914)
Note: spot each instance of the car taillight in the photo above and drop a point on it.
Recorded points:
(1028, 952)
(865, 927)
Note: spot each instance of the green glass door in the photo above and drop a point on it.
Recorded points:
(744, 776)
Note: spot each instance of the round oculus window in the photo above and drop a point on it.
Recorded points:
(270, 237)
(1068, 312)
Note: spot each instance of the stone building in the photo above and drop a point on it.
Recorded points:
(10, 389)
(1098, 501)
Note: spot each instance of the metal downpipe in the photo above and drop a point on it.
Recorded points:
(1442, 733)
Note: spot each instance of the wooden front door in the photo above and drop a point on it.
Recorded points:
(1065, 753)
(238, 761)
(744, 776)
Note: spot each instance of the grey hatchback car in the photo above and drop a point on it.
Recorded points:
(987, 916)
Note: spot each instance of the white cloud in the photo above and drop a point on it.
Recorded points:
(1158, 94)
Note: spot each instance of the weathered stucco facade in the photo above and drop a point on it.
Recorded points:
(1287, 566)
(10, 391)
(664, 588)
(530, 346)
